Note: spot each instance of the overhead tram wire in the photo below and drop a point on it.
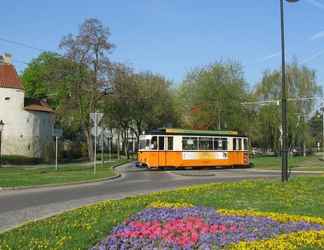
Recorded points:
(278, 101)
(21, 44)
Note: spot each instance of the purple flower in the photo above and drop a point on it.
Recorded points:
(236, 229)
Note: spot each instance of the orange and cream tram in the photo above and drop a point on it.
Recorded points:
(179, 148)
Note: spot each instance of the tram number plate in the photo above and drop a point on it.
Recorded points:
(204, 155)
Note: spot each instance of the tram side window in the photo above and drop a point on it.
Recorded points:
(189, 143)
(161, 143)
(246, 146)
(154, 143)
(224, 143)
(170, 143)
(205, 143)
(218, 144)
(239, 144)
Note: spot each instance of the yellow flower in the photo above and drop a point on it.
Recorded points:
(161, 204)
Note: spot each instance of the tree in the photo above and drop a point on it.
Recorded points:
(118, 106)
(138, 102)
(211, 97)
(51, 76)
(152, 103)
(316, 128)
(37, 76)
(88, 50)
(301, 83)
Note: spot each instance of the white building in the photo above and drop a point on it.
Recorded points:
(28, 123)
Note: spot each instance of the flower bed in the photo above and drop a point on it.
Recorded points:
(183, 226)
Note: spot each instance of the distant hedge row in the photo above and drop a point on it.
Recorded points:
(20, 160)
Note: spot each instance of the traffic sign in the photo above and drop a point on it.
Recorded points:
(96, 117)
(57, 132)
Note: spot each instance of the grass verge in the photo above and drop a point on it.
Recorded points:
(69, 173)
(84, 227)
(311, 163)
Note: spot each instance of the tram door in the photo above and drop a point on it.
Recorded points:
(162, 152)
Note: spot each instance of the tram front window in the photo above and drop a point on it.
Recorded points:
(239, 144)
(246, 146)
(144, 144)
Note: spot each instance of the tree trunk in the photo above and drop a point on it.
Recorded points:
(126, 143)
(304, 148)
(118, 144)
(89, 140)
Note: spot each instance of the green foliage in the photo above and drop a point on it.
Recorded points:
(316, 128)
(36, 76)
(301, 83)
(138, 101)
(211, 97)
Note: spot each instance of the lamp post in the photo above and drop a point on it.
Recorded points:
(322, 110)
(284, 165)
(1, 129)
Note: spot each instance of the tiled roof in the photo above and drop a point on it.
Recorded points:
(37, 105)
(9, 77)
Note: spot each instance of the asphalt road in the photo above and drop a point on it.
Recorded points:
(20, 206)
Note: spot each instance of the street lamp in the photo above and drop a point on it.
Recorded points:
(322, 109)
(1, 129)
(284, 165)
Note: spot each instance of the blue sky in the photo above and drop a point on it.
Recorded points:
(171, 37)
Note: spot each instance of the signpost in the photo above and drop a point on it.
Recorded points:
(57, 133)
(96, 118)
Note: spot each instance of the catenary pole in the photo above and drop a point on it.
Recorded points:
(284, 164)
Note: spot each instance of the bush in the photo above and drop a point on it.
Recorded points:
(20, 160)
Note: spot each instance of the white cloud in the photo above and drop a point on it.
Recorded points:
(317, 35)
(313, 57)
(316, 3)
(269, 57)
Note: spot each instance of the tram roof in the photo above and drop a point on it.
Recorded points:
(176, 131)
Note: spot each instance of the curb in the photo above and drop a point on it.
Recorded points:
(194, 175)
(116, 176)
(293, 171)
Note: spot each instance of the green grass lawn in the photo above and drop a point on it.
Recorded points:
(295, 162)
(40, 175)
(84, 227)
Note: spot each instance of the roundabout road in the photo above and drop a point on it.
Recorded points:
(20, 206)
